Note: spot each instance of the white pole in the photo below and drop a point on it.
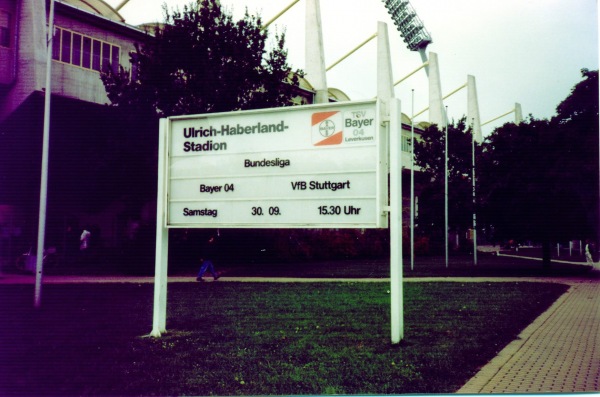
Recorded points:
(571, 248)
(411, 73)
(351, 52)
(425, 60)
(121, 5)
(266, 25)
(314, 51)
(446, 189)
(396, 287)
(44, 174)
(412, 182)
(474, 198)
(159, 319)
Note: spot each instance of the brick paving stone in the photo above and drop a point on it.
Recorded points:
(558, 352)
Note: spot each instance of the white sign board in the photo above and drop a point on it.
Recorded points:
(317, 166)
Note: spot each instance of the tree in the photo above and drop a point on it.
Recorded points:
(539, 179)
(577, 118)
(517, 192)
(202, 61)
(429, 156)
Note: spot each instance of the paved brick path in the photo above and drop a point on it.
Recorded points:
(558, 352)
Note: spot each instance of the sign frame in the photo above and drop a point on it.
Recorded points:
(375, 203)
(389, 203)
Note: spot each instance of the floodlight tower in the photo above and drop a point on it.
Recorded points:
(410, 26)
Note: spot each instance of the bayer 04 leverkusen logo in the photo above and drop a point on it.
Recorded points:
(327, 128)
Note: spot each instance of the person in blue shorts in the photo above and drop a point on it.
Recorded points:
(208, 253)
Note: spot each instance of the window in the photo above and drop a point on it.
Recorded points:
(76, 60)
(405, 144)
(135, 66)
(65, 51)
(4, 29)
(96, 50)
(86, 60)
(84, 51)
(105, 56)
(56, 45)
(114, 60)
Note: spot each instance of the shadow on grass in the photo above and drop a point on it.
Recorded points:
(460, 265)
(257, 339)
(488, 265)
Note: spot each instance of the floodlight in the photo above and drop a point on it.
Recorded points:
(409, 25)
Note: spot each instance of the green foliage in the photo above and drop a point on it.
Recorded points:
(429, 156)
(540, 178)
(536, 181)
(201, 60)
(582, 102)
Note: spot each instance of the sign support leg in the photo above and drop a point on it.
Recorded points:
(159, 320)
(396, 287)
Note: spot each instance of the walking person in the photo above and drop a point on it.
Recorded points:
(84, 245)
(208, 253)
(588, 253)
(84, 240)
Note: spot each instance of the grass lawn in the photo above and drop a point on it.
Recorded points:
(229, 338)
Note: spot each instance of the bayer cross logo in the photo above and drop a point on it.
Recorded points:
(327, 128)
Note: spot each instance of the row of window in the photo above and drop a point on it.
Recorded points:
(4, 29)
(84, 51)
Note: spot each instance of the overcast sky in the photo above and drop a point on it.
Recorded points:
(525, 51)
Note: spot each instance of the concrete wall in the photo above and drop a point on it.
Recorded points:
(29, 53)
(8, 53)
(85, 84)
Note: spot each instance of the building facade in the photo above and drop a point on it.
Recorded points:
(88, 36)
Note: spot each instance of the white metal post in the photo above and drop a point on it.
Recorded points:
(266, 25)
(518, 114)
(474, 197)
(436, 102)
(159, 320)
(473, 108)
(446, 189)
(396, 287)
(351, 52)
(315, 53)
(39, 266)
(385, 94)
(412, 182)
(571, 248)
(391, 119)
(423, 54)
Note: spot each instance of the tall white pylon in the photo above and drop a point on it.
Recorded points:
(315, 53)
(518, 114)
(391, 113)
(473, 108)
(437, 115)
(385, 83)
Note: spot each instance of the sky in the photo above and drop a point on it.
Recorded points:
(520, 51)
